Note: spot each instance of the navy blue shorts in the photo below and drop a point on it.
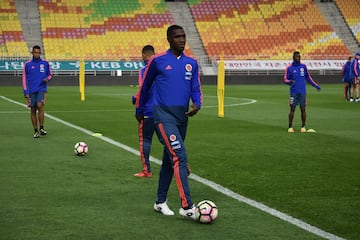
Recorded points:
(297, 99)
(37, 97)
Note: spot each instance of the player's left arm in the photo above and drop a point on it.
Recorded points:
(196, 93)
(48, 73)
(310, 80)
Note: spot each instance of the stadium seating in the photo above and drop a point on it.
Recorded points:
(12, 42)
(350, 10)
(94, 29)
(118, 29)
(256, 29)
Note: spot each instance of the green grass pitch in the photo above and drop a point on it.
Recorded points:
(49, 193)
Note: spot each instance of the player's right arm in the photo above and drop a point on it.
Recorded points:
(287, 76)
(24, 81)
(143, 95)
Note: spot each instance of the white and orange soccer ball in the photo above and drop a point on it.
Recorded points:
(81, 148)
(206, 211)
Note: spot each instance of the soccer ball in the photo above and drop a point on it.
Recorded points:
(206, 211)
(80, 148)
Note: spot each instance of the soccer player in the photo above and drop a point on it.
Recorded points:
(36, 75)
(175, 80)
(146, 126)
(347, 78)
(355, 76)
(296, 75)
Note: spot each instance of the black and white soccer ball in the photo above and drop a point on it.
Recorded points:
(81, 148)
(206, 211)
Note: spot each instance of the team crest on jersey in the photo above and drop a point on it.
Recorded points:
(302, 72)
(188, 73)
(188, 67)
(42, 68)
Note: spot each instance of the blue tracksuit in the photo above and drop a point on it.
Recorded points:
(346, 72)
(299, 73)
(355, 69)
(146, 127)
(34, 73)
(175, 81)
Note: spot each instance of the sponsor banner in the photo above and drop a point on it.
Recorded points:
(136, 65)
(281, 65)
(74, 65)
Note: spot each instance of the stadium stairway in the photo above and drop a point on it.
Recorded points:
(182, 16)
(29, 17)
(335, 19)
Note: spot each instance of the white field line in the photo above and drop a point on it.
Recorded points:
(285, 217)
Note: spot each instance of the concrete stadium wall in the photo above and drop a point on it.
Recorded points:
(106, 80)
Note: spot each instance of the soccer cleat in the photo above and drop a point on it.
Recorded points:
(163, 208)
(43, 132)
(189, 213)
(303, 130)
(291, 130)
(36, 135)
(351, 99)
(143, 174)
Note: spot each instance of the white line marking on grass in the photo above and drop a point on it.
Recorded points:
(287, 218)
(12, 112)
(249, 101)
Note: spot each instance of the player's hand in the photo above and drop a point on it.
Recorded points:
(133, 99)
(139, 117)
(192, 110)
(292, 82)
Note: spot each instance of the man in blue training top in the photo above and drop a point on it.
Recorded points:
(174, 77)
(355, 78)
(146, 125)
(296, 75)
(347, 78)
(36, 75)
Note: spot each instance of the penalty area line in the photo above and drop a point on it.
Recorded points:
(217, 187)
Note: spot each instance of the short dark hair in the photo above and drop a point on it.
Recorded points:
(296, 53)
(36, 47)
(148, 49)
(171, 29)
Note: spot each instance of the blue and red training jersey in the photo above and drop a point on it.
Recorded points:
(346, 71)
(175, 80)
(148, 107)
(34, 73)
(354, 68)
(299, 73)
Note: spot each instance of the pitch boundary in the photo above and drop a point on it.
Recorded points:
(217, 187)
